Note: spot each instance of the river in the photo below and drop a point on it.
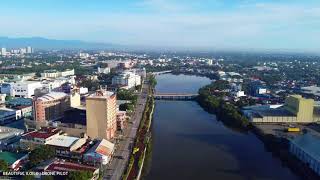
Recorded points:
(189, 143)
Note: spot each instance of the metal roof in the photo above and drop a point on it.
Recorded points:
(309, 143)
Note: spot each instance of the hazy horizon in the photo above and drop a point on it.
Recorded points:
(244, 24)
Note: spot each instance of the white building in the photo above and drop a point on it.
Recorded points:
(24, 89)
(239, 94)
(127, 80)
(100, 153)
(105, 70)
(83, 90)
(307, 148)
(84, 55)
(29, 50)
(56, 74)
(3, 51)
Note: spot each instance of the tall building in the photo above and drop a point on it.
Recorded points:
(50, 107)
(3, 51)
(29, 50)
(101, 115)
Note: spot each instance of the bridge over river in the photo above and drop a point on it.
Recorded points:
(175, 96)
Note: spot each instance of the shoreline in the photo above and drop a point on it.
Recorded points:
(142, 141)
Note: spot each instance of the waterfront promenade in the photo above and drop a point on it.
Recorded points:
(123, 149)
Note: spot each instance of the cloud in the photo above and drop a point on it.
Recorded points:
(173, 23)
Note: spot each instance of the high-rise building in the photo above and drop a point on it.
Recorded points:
(101, 115)
(50, 107)
(29, 50)
(3, 51)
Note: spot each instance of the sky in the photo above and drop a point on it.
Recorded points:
(216, 24)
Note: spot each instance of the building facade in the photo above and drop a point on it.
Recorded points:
(50, 107)
(127, 80)
(101, 115)
(24, 89)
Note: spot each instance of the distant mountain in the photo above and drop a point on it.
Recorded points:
(44, 43)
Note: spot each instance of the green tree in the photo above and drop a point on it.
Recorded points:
(153, 81)
(3, 165)
(79, 175)
(28, 177)
(40, 154)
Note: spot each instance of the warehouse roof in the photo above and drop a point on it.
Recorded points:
(309, 143)
(63, 141)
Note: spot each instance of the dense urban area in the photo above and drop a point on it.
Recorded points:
(81, 114)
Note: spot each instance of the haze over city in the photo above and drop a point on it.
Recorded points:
(204, 24)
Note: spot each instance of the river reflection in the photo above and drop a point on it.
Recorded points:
(189, 143)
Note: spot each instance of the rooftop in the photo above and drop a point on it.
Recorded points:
(7, 132)
(101, 94)
(63, 141)
(43, 133)
(309, 143)
(103, 147)
(60, 165)
(20, 101)
(52, 96)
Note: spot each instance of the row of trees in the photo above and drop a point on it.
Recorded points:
(226, 112)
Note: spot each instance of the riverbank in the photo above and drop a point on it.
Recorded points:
(142, 140)
(225, 111)
(230, 114)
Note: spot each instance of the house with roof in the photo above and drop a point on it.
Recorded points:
(100, 153)
(65, 145)
(32, 139)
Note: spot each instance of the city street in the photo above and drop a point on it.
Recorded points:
(120, 159)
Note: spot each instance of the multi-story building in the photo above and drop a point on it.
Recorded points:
(127, 80)
(29, 50)
(3, 51)
(295, 110)
(24, 89)
(50, 107)
(8, 115)
(56, 74)
(101, 115)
